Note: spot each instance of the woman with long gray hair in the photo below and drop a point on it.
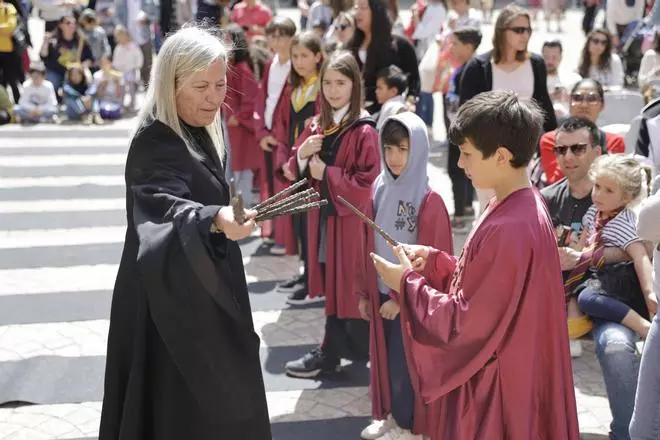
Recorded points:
(183, 357)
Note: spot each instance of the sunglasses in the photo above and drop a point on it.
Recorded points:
(576, 149)
(342, 27)
(520, 30)
(598, 41)
(69, 22)
(591, 98)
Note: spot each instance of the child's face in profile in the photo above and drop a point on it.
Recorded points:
(396, 157)
(460, 51)
(383, 92)
(75, 76)
(482, 172)
(37, 78)
(607, 194)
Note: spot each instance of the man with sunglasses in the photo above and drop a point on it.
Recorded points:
(576, 148)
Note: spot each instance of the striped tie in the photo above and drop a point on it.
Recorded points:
(592, 256)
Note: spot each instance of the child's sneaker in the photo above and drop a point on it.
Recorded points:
(377, 429)
(98, 120)
(277, 249)
(576, 348)
(459, 225)
(312, 364)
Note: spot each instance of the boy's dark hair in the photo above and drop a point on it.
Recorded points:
(393, 77)
(468, 35)
(499, 119)
(575, 123)
(393, 133)
(553, 43)
(282, 26)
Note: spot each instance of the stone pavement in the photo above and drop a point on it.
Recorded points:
(61, 231)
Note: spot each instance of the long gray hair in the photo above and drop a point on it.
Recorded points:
(189, 50)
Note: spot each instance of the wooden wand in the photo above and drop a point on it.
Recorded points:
(369, 222)
(279, 195)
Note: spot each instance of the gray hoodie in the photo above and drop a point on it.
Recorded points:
(397, 201)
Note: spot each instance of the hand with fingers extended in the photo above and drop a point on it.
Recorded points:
(226, 223)
(392, 273)
(311, 146)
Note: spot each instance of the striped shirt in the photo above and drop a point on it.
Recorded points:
(619, 232)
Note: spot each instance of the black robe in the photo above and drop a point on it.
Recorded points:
(183, 357)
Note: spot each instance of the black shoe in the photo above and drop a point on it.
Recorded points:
(290, 285)
(299, 297)
(312, 364)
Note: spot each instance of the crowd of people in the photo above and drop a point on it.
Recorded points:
(347, 102)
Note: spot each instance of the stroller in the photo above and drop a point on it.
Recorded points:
(637, 39)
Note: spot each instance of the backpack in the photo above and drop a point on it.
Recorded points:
(535, 168)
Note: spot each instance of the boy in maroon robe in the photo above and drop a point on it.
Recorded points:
(491, 353)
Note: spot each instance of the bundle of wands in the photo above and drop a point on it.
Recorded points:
(286, 202)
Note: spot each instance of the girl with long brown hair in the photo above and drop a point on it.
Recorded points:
(338, 152)
(598, 62)
(288, 124)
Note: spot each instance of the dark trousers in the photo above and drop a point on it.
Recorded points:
(401, 390)
(461, 185)
(11, 72)
(268, 174)
(345, 338)
(590, 13)
(300, 231)
(600, 306)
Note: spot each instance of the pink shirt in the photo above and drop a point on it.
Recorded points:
(246, 16)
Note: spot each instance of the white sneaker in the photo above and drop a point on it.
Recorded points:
(408, 435)
(576, 348)
(377, 429)
(395, 433)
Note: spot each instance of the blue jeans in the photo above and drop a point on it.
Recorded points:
(47, 113)
(56, 78)
(402, 395)
(645, 424)
(75, 109)
(619, 361)
(424, 108)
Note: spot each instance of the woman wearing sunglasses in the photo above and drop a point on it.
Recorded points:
(587, 100)
(64, 47)
(511, 67)
(598, 62)
(343, 28)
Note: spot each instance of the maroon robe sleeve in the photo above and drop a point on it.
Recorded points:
(248, 89)
(467, 325)
(354, 182)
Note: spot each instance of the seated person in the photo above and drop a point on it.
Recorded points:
(587, 99)
(108, 89)
(622, 293)
(79, 97)
(568, 200)
(391, 84)
(6, 106)
(38, 102)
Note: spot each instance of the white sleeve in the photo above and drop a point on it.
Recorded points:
(52, 97)
(646, 68)
(648, 224)
(610, 15)
(24, 100)
(302, 163)
(617, 71)
(431, 22)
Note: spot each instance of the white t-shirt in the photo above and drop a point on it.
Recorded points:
(276, 78)
(609, 77)
(127, 58)
(520, 81)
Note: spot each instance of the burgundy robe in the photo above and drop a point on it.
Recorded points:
(261, 132)
(357, 165)
(493, 358)
(281, 153)
(435, 231)
(241, 97)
